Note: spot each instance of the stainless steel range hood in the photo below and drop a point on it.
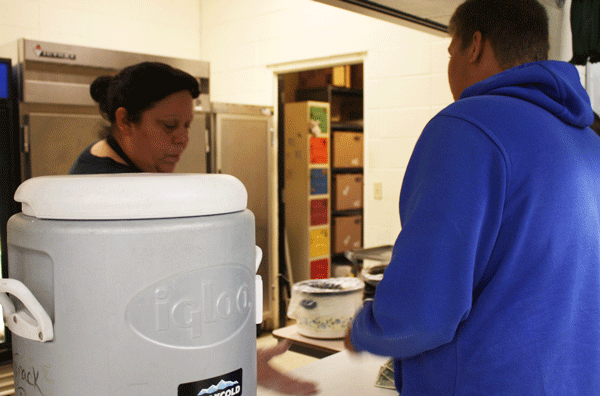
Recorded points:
(434, 14)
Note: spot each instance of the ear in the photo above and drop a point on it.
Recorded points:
(475, 49)
(122, 121)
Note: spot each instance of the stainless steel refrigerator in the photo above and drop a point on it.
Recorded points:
(243, 144)
(57, 119)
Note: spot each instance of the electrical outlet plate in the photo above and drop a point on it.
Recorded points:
(377, 191)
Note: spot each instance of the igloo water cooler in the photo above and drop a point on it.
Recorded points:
(128, 285)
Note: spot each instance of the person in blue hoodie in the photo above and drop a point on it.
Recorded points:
(494, 283)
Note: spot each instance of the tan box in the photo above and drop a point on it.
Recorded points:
(315, 78)
(347, 149)
(348, 191)
(341, 76)
(347, 233)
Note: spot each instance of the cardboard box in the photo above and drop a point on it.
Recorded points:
(341, 270)
(341, 76)
(348, 76)
(347, 149)
(347, 233)
(315, 78)
(348, 191)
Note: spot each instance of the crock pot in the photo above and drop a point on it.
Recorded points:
(133, 284)
(323, 308)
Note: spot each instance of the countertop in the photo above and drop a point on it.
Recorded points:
(318, 348)
(342, 374)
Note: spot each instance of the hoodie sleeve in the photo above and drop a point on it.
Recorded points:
(450, 210)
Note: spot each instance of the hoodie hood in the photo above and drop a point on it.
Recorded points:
(552, 85)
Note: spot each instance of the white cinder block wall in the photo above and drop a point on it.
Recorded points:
(404, 77)
(405, 66)
(157, 27)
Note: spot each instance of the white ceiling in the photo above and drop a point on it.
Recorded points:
(436, 11)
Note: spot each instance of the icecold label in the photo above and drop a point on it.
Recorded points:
(224, 385)
(194, 309)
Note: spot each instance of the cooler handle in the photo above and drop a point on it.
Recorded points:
(259, 255)
(258, 285)
(37, 328)
(258, 288)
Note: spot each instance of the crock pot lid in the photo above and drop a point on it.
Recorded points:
(130, 196)
(329, 286)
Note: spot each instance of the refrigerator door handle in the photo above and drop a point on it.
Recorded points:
(25, 135)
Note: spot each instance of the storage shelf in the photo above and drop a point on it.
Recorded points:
(322, 93)
(346, 103)
(346, 126)
(346, 170)
(340, 258)
(348, 212)
(307, 192)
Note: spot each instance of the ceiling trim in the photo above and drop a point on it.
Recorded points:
(370, 5)
(390, 13)
(318, 63)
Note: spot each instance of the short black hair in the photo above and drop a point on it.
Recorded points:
(138, 87)
(516, 29)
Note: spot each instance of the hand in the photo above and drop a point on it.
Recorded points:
(273, 379)
(348, 340)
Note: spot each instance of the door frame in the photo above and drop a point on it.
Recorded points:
(278, 70)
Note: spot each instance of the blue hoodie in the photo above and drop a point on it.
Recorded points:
(494, 283)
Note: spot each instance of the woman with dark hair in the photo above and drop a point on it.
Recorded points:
(150, 107)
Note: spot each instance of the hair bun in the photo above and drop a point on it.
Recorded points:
(99, 88)
(99, 92)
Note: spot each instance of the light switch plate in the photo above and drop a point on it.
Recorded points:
(377, 191)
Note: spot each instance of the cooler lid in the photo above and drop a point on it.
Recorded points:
(131, 196)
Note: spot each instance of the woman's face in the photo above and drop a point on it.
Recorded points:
(158, 140)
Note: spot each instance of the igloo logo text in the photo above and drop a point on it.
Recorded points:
(194, 309)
